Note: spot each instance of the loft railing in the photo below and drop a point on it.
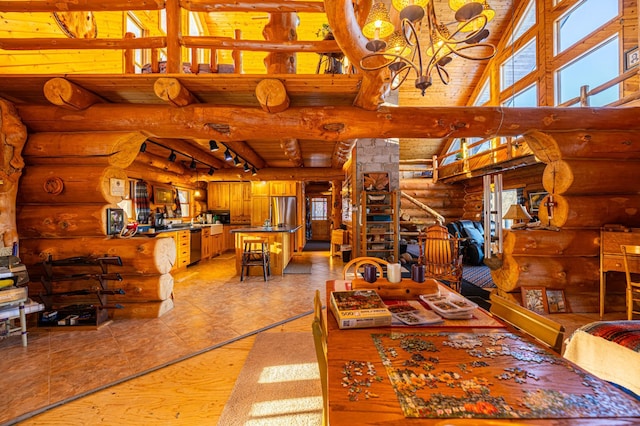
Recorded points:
(173, 42)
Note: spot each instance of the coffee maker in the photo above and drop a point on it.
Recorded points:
(159, 220)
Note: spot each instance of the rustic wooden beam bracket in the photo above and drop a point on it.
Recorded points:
(63, 93)
(172, 91)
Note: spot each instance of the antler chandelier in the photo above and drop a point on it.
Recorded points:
(401, 48)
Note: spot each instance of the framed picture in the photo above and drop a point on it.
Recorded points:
(556, 301)
(115, 221)
(534, 200)
(376, 181)
(163, 195)
(631, 58)
(535, 299)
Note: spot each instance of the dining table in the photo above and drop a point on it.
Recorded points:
(472, 371)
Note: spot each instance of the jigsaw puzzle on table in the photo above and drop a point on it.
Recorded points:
(453, 375)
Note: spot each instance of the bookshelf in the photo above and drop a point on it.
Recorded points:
(380, 225)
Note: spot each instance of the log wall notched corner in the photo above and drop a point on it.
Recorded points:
(272, 95)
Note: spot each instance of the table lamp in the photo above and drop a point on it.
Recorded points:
(518, 214)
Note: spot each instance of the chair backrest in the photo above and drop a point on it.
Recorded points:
(441, 250)
(361, 261)
(321, 353)
(317, 314)
(542, 328)
(631, 260)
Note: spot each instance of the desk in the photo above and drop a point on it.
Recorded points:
(611, 256)
(485, 371)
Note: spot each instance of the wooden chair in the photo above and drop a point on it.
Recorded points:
(359, 262)
(318, 315)
(442, 257)
(541, 328)
(320, 342)
(631, 258)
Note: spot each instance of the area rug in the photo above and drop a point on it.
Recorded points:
(298, 265)
(480, 276)
(315, 245)
(278, 385)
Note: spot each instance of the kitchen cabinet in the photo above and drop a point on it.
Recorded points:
(206, 251)
(260, 210)
(240, 202)
(283, 188)
(379, 225)
(218, 196)
(182, 240)
(260, 189)
(229, 242)
(216, 244)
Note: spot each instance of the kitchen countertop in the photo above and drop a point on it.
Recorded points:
(216, 228)
(253, 229)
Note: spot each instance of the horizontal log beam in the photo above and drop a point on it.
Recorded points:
(225, 43)
(79, 5)
(253, 6)
(230, 123)
(82, 43)
(275, 173)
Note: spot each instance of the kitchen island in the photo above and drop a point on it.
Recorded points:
(281, 245)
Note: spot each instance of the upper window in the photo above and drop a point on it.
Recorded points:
(526, 98)
(518, 65)
(582, 20)
(596, 67)
(527, 21)
(484, 95)
(135, 27)
(319, 208)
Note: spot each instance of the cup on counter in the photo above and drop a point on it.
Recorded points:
(394, 273)
(370, 274)
(417, 273)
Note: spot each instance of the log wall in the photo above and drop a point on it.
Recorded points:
(62, 208)
(446, 199)
(591, 180)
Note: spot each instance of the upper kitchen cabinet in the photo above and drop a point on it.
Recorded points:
(260, 188)
(219, 196)
(283, 187)
(240, 202)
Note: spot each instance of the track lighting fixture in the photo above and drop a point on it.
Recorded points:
(246, 167)
(213, 146)
(211, 171)
(143, 147)
(172, 157)
(193, 164)
(253, 171)
(236, 161)
(227, 155)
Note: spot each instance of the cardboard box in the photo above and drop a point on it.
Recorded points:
(359, 309)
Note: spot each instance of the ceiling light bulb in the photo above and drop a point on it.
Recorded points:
(227, 155)
(236, 161)
(246, 167)
(213, 146)
(254, 171)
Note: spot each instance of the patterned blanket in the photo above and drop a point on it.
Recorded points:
(624, 333)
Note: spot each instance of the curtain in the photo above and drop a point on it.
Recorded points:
(141, 202)
(178, 205)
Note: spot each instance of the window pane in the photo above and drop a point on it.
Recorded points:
(484, 95)
(519, 65)
(593, 69)
(318, 209)
(580, 21)
(455, 146)
(527, 21)
(526, 98)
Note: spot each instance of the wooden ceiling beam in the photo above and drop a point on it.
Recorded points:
(253, 6)
(341, 152)
(230, 124)
(291, 148)
(82, 43)
(278, 173)
(173, 92)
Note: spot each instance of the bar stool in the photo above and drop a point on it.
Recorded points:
(255, 253)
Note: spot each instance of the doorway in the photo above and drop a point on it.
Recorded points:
(320, 224)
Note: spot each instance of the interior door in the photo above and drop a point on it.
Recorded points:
(320, 226)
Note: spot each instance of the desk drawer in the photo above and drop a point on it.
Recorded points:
(615, 263)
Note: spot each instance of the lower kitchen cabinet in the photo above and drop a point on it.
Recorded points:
(206, 251)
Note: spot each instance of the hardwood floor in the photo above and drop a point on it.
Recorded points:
(66, 378)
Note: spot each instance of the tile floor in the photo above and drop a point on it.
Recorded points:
(212, 306)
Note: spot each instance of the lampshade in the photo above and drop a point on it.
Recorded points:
(378, 23)
(412, 10)
(397, 45)
(476, 24)
(517, 213)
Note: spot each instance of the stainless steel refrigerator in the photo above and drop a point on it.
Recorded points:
(283, 211)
